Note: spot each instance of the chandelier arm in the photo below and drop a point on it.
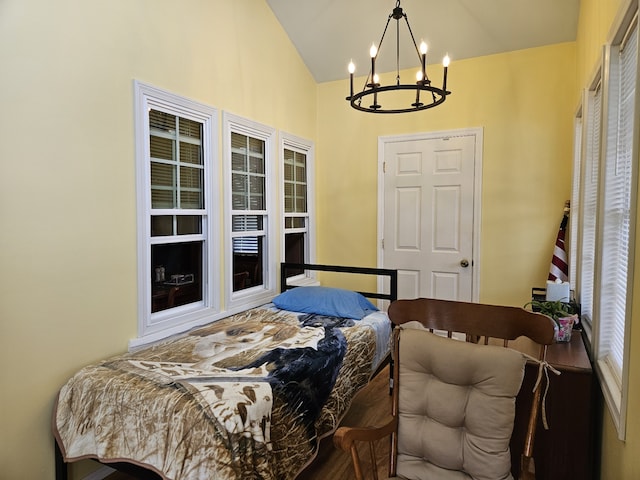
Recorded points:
(415, 45)
(370, 75)
(384, 32)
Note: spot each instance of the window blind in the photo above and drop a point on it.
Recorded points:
(575, 201)
(589, 204)
(617, 205)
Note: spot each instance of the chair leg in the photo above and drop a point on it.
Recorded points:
(355, 460)
(527, 468)
(374, 460)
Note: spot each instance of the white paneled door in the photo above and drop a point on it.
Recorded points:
(429, 213)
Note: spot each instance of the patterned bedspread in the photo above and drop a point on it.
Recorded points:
(246, 397)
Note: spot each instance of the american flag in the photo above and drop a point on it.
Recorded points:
(559, 267)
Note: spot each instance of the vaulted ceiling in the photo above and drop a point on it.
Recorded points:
(330, 33)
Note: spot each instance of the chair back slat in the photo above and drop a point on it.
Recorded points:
(474, 319)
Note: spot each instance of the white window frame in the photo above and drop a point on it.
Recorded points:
(578, 126)
(258, 295)
(610, 353)
(155, 326)
(612, 349)
(584, 214)
(306, 147)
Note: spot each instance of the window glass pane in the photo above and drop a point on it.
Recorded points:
(190, 178)
(294, 251)
(189, 224)
(256, 198)
(301, 171)
(191, 188)
(240, 188)
(176, 274)
(288, 165)
(246, 223)
(288, 197)
(238, 142)
(162, 185)
(301, 198)
(190, 128)
(256, 146)
(295, 222)
(162, 198)
(238, 162)
(190, 153)
(162, 174)
(256, 165)
(239, 202)
(590, 205)
(161, 225)
(161, 148)
(247, 262)
(162, 121)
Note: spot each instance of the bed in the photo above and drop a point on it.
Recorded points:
(245, 397)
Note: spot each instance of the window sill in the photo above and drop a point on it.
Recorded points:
(612, 393)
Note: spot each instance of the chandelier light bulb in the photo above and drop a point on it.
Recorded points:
(373, 51)
(419, 76)
(423, 48)
(352, 69)
(446, 60)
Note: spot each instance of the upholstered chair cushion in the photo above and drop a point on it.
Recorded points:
(456, 408)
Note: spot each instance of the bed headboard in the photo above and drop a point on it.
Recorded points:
(383, 272)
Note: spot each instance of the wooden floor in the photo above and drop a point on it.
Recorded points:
(372, 406)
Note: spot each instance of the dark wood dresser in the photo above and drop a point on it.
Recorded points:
(565, 451)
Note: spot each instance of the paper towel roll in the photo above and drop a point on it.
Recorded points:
(558, 291)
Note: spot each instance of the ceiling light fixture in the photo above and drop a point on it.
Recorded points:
(373, 89)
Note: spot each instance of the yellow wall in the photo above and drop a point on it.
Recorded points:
(524, 101)
(67, 172)
(620, 460)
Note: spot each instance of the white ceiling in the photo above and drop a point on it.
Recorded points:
(330, 33)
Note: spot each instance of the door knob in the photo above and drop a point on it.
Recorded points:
(464, 263)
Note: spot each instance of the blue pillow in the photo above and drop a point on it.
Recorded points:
(334, 302)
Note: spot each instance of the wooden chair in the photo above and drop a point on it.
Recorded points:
(480, 324)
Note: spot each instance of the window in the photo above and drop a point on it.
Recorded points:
(176, 221)
(607, 207)
(575, 197)
(615, 211)
(250, 258)
(298, 245)
(588, 203)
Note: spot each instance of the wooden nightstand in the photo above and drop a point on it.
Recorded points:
(566, 449)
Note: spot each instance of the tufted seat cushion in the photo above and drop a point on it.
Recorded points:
(456, 408)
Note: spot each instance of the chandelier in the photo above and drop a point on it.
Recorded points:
(373, 91)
